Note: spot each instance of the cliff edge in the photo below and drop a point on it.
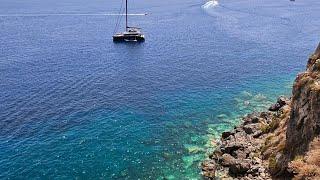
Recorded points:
(282, 143)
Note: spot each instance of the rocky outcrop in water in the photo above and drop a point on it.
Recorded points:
(282, 143)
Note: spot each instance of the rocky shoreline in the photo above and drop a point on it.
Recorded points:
(281, 143)
(238, 154)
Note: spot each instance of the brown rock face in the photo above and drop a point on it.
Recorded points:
(304, 123)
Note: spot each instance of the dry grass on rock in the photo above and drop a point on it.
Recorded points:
(308, 167)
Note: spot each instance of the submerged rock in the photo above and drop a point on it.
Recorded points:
(193, 149)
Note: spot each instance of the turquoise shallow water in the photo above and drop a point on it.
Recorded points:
(75, 105)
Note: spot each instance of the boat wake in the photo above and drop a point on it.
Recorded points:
(210, 5)
(64, 14)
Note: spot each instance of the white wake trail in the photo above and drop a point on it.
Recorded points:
(64, 14)
(210, 5)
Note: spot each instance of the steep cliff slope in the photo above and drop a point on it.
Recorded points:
(283, 143)
(304, 123)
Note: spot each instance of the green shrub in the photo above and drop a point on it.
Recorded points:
(272, 162)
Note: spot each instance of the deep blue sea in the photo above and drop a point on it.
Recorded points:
(74, 105)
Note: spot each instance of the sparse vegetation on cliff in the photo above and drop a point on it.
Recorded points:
(307, 167)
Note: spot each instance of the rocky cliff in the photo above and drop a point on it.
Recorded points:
(282, 143)
(304, 124)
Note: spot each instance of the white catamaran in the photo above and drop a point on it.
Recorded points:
(132, 34)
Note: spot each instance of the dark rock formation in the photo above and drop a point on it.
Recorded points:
(282, 101)
(226, 134)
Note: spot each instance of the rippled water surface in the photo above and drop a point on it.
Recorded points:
(75, 105)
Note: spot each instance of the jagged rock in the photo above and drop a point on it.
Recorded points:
(226, 134)
(208, 169)
(255, 120)
(282, 101)
(229, 148)
(257, 134)
(257, 160)
(250, 129)
(239, 167)
(264, 115)
(237, 129)
(227, 160)
(254, 170)
(216, 155)
(240, 154)
(240, 137)
(261, 170)
(250, 176)
(251, 120)
(275, 107)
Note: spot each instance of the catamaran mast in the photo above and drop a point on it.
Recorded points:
(126, 15)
